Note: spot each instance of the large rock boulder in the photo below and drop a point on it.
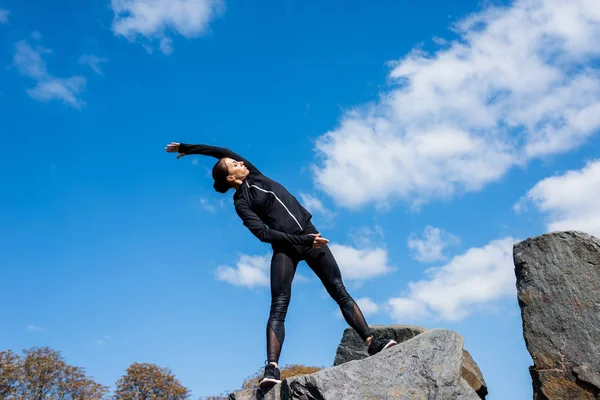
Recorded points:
(353, 348)
(558, 285)
(425, 367)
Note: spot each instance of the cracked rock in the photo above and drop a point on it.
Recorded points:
(558, 287)
(427, 366)
(353, 348)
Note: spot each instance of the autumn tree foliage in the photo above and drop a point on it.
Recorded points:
(144, 381)
(286, 372)
(252, 381)
(10, 374)
(42, 374)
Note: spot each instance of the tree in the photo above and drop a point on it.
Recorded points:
(149, 382)
(287, 372)
(10, 374)
(42, 374)
(82, 388)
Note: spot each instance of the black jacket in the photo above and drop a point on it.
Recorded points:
(261, 201)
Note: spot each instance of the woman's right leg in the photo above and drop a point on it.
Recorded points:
(323, 263)
(283, 269)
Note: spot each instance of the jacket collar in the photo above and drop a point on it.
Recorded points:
(238, 193)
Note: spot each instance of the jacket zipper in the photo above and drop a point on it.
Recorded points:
(279, 200)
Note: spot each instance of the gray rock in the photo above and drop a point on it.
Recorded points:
(471, 373)
(558, 287)
(353, 348)
(253, 394)
(425, 367)
(585, 374)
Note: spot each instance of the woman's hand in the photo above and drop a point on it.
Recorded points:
(319, 241)
(173, 147)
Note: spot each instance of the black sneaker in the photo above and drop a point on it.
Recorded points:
(380, 344)
(270, 378)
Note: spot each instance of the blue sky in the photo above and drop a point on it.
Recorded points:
(425, 139)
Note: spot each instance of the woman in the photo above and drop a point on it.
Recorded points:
(260, 201)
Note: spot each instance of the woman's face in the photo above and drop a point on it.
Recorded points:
(236, 169)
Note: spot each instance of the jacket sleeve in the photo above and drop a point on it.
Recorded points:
(217, 152)
(264, 234)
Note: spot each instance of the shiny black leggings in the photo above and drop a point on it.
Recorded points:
(283, 268)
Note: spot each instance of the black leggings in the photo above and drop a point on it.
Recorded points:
(283, 268)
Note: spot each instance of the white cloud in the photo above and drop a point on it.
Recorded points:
(166, 46)
(155, 19)
(570, 200)
(366, 259)
(3, 16)
(250, 271)
(406, 309)
(431, 247)
(34, 328)
(315, 206)
(361, 263)
(103, 341)
(355, 264)
(367, 306)
(93, 62)
(29, 62)
(477, 278)
(66, 90)
(205, 203)
(367, 237)
(521, 82)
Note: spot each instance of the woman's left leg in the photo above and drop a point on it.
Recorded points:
(322, 262)
(283, 269)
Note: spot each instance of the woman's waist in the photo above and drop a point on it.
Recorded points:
(291, 226)
(309, 228)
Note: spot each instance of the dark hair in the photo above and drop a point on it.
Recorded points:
(220, 174)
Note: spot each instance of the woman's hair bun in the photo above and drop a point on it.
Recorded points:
(221, 186)
(219, 174)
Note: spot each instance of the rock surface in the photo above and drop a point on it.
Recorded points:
(353, 348)
(427, 366)
(558, 286)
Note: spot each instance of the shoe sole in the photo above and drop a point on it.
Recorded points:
(390, 344)
(268, 383)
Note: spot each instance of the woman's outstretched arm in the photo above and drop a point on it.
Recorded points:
(264, 234)
(206, 150)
